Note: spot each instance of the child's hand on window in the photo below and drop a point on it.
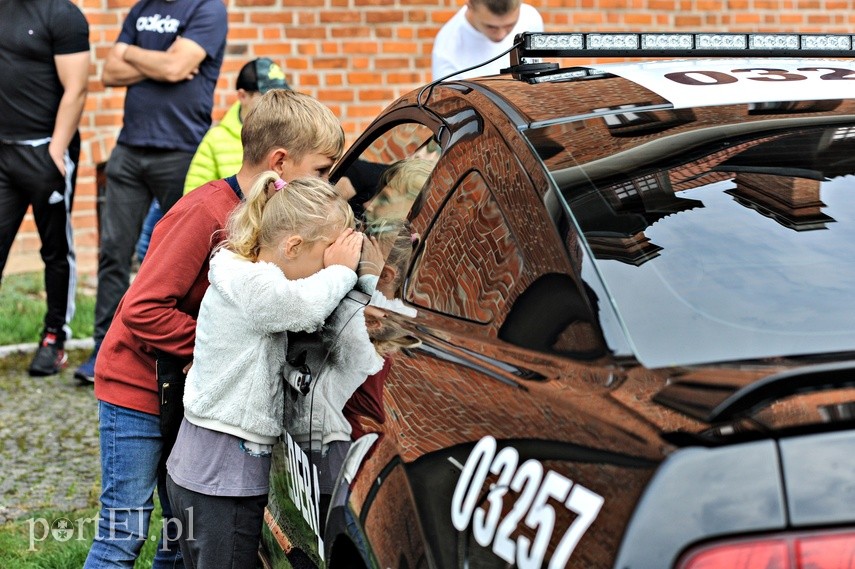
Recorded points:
(371, 261)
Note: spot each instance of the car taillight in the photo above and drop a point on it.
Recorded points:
(828, 550)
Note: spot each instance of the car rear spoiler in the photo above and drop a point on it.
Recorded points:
(717, 402)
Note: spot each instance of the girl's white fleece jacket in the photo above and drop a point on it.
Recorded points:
(235, 384)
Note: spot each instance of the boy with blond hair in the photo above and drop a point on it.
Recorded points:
(287, 132)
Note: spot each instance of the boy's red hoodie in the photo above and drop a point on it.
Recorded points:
(159, 309)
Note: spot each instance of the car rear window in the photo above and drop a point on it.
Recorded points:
(726, 243)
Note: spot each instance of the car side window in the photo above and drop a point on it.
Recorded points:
(401, 141)
(398, 187)
(389, 174)
(471, 228)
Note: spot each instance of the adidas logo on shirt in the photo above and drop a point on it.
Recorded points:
(157, 23)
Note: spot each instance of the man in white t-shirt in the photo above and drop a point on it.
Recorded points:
(479, 31)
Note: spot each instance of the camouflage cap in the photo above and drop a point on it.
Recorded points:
(261, 75)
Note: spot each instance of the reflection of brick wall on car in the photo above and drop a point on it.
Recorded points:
(686, 176)
(398, 143)
(794, 198)
(521, 196)
(475, 227)
(393, 526)
(433, 404)
(584, 139)
(590, 138)
(458, 404)
(470, 229)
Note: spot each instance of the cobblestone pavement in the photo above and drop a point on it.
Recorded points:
(48, 438)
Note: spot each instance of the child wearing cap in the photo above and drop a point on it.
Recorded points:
(220, 152)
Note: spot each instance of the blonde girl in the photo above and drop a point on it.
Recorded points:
(288, 259)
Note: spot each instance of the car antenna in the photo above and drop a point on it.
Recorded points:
(429, 87)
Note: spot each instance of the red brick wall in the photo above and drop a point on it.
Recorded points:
(359, 55)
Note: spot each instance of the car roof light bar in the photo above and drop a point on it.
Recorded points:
(619, 44)
(573, 74)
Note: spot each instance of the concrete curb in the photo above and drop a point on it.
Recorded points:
(77, 344)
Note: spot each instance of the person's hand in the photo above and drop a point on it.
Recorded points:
(371, 261)
(186, 369)
(58, 156)
(345, 250)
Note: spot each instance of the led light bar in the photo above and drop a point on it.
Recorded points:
(621, 44)
(567, 75)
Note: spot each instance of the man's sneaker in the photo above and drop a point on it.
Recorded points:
(49, 358)
(85, 373)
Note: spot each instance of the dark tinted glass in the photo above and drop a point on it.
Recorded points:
(730, 244)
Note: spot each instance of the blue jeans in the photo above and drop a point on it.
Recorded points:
(152, 217)
(131, 468)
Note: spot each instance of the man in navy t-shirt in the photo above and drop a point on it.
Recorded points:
(169, 55)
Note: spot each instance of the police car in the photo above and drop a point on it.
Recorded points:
(628, 314)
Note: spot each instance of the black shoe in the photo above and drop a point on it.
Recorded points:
(50, 357)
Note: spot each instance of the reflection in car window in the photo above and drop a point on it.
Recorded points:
(399, 142)
(399, 186)
(746, 246)
(384, 161)
(471, 229)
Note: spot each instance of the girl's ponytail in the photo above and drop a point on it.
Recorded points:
(244, 224)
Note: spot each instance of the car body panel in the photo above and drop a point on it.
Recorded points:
(529, 384)
(819, 491)
(741, 491)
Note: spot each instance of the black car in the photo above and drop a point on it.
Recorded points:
(628, 317)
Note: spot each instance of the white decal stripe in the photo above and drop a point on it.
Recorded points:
(697, 83)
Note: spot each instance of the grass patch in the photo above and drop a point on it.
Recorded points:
(30, 544)
(22, 309)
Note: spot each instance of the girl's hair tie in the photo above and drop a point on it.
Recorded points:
(279, 183)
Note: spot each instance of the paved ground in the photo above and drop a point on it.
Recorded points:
(48, 437)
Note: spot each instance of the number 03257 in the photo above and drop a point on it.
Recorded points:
(535, 488)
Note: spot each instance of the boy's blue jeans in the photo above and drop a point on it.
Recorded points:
(130, 454)
(152, 217)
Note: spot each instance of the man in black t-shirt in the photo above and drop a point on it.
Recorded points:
(44, 53)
